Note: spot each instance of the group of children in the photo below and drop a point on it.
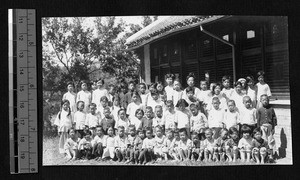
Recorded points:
(141, 126)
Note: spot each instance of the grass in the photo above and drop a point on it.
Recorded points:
(51, 156)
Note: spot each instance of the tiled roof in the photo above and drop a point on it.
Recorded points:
(165, 26)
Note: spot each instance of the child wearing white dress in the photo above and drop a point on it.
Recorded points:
(238, 96)
(262, 88)
(122, 120)
(109, 144)
(134, 105)
(215, 117)
(79, 119)
(99, 93)
(71, 96)
(85, 96)
(143, 94)
(182, 116)
(63, 122)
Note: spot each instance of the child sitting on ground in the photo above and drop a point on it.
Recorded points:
(245, 144)
(159, 140)
(167, 143)
(231, 146)
(138, 143)
(147, 147)
(71, 145)
(98, 143)
(131, 138)
(121, 144)
(85, 145)
(109, 144)
(208, 145)
(174, 145)
(260, 147)
(185, 145)
(197, 149)
(220, 145)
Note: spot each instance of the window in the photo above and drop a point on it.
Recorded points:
(226, 37)
(250, 34)
(165, 51)
(155, 53)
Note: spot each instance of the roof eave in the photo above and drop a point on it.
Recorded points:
(175, 31)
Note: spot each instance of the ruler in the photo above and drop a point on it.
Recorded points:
(23, 91)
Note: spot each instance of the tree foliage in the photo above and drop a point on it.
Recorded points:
(73, 52)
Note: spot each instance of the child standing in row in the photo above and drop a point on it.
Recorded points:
(198, 120)
(92, 119)
(215, 117)
(182, 116)
(85, 96)
(169, 115)
(79, 119)
(63, 122)
(169, 88)
(71, 96)
(99, 93)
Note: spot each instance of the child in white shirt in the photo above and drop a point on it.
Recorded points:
(231, 116)
(136, 121)
(216, 117)
(79, 119)
(134, 105)
(185, 145)
(121, 144)
(198, 120)
(85, 145)
(182, 116)
(238, 96)
(262, 88)
(227, 90)
(109, 144)
(85, 96)
(169, 115)
(122, 121)
(92, 119)
(245, 144)
(98, 143)
(177, 93)
(204, 92)
(159, 140)
(248, 114)
(144, 96)
(147, 147)
(99, 93)
(209, 144)
(71, 145)
(167, 143)
(154, 99)
(169, 88)
(71, 96)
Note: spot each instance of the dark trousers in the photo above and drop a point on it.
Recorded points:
(121, 154)
(147, 154)
(86, 153)
(97, 150)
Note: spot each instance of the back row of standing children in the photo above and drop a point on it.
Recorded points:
(171, 108)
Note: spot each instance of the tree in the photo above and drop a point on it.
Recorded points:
(82, 51)
(148, 20)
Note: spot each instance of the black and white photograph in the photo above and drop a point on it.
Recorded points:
(189, 90)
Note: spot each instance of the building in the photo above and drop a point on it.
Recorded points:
(220, 45)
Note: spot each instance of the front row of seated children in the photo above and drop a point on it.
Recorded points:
(141, 146)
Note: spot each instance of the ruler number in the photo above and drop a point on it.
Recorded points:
(22, 122)
(21, 54)
(21, 20)
(22, 105)
(21, 71)
(21, 38)
(22, 156)
(21, 88)
(22, 139)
